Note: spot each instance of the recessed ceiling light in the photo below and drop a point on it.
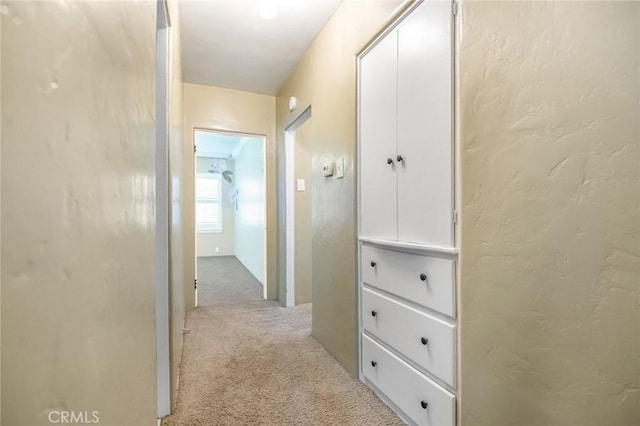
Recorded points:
(268, 10)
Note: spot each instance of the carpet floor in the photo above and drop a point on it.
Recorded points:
(248, 361)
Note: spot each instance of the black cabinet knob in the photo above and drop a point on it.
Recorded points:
(374, 313)
(373, 363)
(423, 277)
(424, 404)
(424, 340)
(373, 264)
(399, 158)
(389, 161)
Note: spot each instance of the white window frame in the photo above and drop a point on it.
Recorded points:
(210, 227)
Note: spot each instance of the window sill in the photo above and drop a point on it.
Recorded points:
(209, 231)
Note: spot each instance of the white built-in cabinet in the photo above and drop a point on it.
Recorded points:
(406, 213)
(405, 127)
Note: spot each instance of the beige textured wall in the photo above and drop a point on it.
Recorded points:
(178, 204)
(78, 167)
(302, 212)
(326, 79)
(206, 242)
(550, 223)
(232, 110)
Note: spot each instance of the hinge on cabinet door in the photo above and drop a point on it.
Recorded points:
(195, 284)
(454, 8)
(455, 216)
(194, 148)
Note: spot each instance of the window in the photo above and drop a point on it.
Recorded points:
(208, 212)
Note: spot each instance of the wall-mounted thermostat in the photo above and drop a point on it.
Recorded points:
(327, 169)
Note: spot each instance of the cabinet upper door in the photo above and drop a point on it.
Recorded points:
(378, 109)
(425, 132)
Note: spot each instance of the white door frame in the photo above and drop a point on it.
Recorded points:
(194, 158)
(265, 293)
(163, 361)
(289, 153)
(289, 163)
(267, 203)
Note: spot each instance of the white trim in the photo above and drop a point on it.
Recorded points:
(194, 158)
(452, 251)
(265, 188)
(358, 221)
(457, 144)
(244, 138)
(299, 120)
(163, 360)
(289, 153)
(395, 19)
(289, 160)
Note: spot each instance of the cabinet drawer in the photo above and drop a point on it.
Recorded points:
(425, 280)
(426, 340)
(407, 387)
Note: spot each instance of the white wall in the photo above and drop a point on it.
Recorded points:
(78, 132)
(250, 215)
(207, 242)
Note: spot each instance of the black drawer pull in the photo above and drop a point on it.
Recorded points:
(373, 264)
(424, 340)
(423, 277)
(374, 313)
(389, 161)
(399, 158)
(424, 404)
(373, 363)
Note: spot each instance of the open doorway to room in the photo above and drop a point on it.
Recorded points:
(298, 210)
(231, 249)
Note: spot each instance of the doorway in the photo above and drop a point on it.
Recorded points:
(298, 210)
(230, 210)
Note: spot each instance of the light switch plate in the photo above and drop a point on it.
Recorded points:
(327, 169)
(300, 184)
(339, 168)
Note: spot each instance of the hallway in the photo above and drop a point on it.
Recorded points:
(251, 361)
(465, 186)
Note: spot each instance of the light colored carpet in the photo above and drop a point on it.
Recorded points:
(225, 281)
(248, 361)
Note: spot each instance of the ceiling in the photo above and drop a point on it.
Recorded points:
(219, 145)
(226, 43)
